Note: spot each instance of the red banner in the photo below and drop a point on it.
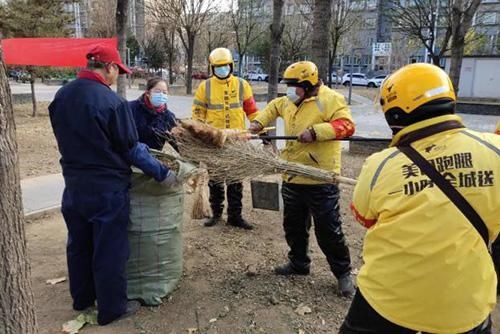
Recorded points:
(68, 52)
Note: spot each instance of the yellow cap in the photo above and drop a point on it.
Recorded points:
(413, 86)
(301, 73)
(220, 56)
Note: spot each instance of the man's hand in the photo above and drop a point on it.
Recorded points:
(255, 127)
(307, 136)
(171, 180)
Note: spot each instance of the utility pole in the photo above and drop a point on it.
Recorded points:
(350, 74)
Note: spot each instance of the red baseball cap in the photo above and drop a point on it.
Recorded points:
(105, 54)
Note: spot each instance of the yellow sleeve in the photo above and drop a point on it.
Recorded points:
(335, 109)
(199, 108)
(270, 112)
(360, 205)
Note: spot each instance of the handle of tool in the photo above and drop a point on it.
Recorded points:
(346, 180)
(360, 139)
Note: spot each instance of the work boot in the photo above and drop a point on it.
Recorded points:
(239, 222)
(212, 221)
(288, 270)
(346, 286)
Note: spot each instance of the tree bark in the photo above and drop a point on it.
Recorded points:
(121, 32)
(33, 96)
(321, 36)
(274, 59)
(461, 21)
(190, 53)
(17, 306)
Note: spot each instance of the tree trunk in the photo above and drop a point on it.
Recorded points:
(33, 96)
(190, 53)
(17, 306)
(461, 21)
(274, 59)
(171, 58)
(330, 71)
(331, 59)
(436, 60)
(121, 32)
(321, 36)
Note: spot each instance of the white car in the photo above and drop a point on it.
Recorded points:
(376, 81)
(256, 76)
(358, 79)
(336, 79)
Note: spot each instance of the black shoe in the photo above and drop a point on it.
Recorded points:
(212, 221)
(346, 286)
(288, 270)
(132, 307)
(83, 307)
(240, 222)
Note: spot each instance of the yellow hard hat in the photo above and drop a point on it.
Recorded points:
(414, 86)
(220, 56)
(302, 73)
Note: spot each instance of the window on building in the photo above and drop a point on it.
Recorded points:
(371, 4)
(485, 18)
(370, 22)
(358, 4)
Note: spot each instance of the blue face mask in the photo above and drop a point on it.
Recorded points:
(158, 99)
(292, 95)
(222, 72)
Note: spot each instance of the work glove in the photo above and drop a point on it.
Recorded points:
(171, 180)
(255, 127)
(307, 136)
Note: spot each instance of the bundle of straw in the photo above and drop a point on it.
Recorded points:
(230, 159)
(201, 205)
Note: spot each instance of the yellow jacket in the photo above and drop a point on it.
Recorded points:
(425, 265)
(224, 103)
(317, 112)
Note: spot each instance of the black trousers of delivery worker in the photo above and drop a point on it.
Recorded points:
(302, 201)
(234, 197)
(97, 251)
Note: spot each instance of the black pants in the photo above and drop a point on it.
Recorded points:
(322, 203)
(234, 196)
(363, 319)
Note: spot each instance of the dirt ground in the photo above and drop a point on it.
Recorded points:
(38, 154)
(227, 276)
(227, 272)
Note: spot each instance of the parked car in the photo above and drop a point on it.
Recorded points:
(336, 79)
(376, 81)
(19, 75)
(200, 75)
(256, 76)
(358, 79)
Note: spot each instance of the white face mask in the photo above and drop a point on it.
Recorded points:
(292, 95)
(222, 71)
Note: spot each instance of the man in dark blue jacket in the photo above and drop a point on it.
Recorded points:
(98, 143)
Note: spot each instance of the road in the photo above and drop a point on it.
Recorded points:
(369, 120)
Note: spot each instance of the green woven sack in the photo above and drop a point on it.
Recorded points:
(155, 236)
